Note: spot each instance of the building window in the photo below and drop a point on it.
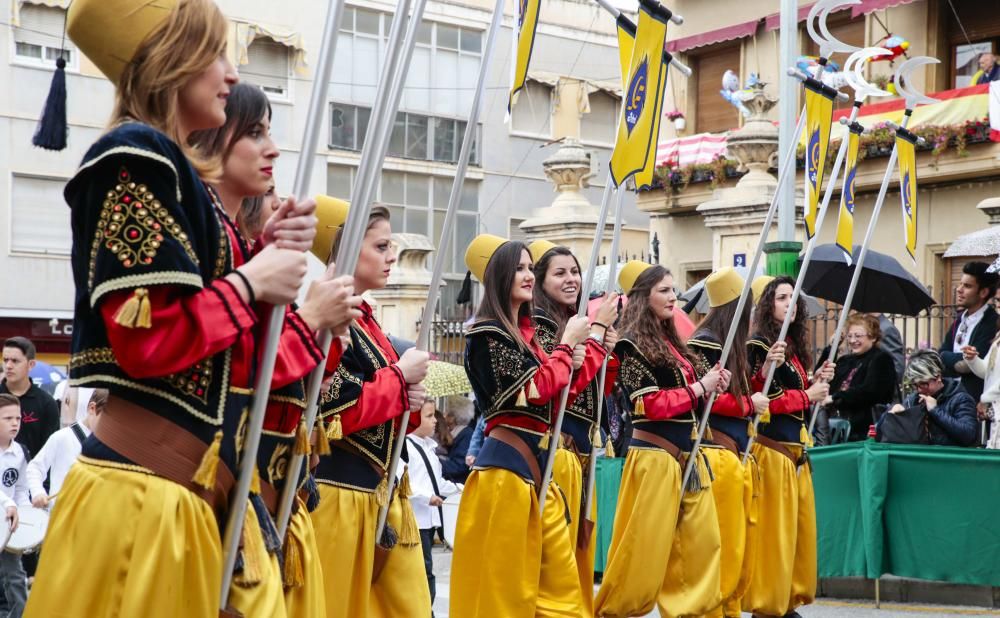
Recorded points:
(713, 113)
(39, 38)
(414, 136)
(39, 216)
(599, 125)
(532, 113)
(972, 27)
(348, 125)
(268, 66)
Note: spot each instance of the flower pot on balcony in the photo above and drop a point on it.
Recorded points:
(680, 123)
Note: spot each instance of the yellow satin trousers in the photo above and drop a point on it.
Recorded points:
(567, 473)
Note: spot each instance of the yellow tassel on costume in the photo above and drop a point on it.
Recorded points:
(335, 430)
(382, 491)
(294, 573)
(751, 430)
(804, 436)
(404, 485)
(533, 390)
(694, 431)
(708, 433)
(609, 449)
(522, 401)
(253, 549)
(255, 482)
(640, 408)
(205, 474)
(322, 442)
(765, 416)
(409, 534)
(136, 311)
(543, 444)
(301, 439)
(595, 438)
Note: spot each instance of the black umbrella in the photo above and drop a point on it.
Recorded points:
(885, 286)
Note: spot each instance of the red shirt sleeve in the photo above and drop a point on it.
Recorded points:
(298, 353)
(336, 353)
(381, 399)
(592, 362)
(782, 401)
(612, 375)
(728, 404)
(185, 328)
(553, 375)
(668, 403)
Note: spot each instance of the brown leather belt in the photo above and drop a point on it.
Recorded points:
(721, 439)
(516, 442)
(151, 441)
(655, 440)
(776, 446)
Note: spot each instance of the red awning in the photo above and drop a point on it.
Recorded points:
(728, 33)
(867, 6)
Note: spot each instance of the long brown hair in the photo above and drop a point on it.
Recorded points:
(175, 52)
(768, 327)
(717, 322)
(641, 325)
(543, 301)
(498, 280)
(377, 213)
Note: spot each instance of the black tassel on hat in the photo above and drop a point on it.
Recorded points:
(465, 294)
(52, 128)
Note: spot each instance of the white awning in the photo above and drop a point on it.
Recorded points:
(15, 8)
(246, 32)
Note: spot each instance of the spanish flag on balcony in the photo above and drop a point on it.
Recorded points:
(819, 117)
(626, 42)
(638, 128)
(845, 223)
(906, 149)
(524, 42)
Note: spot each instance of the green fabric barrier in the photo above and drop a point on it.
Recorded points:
(609, 479)
(924, 512)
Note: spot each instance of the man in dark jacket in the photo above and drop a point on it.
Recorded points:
(39, 411)
(976, 325)
(951, 412)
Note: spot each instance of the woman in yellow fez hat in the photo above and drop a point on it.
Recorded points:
(733, 487)
(361, 406)
(164, 321)
(510, 560)
(665, 545)
(247, 152)
(784, 573)
(558, 286)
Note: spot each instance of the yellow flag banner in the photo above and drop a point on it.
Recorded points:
(524, 42)
(626, 41)
(819, 117)
(845, 223)
(906, 149)
(643, 95)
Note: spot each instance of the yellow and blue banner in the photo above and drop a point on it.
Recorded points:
(638, 128)
(819, 118)
(524, 43)
(906, 149)
(845, 222)
(626, 42)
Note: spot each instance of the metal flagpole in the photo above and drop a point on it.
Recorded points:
(457, 186)
(913, 98)
(601, 381)
(276, 317)
(372, 155)
(806, 259)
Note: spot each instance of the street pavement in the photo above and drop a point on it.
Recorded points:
(823, 608)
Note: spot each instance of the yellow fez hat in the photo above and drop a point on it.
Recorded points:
(109, 31)
(723, 286)
(758, 286)
(480, 251)
(539, 248)
(630, 272)
(330, 214)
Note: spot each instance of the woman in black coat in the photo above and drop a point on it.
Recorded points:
(863, 379)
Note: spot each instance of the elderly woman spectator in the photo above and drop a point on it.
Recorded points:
(458, 417)
(951, 412)
(864, 378)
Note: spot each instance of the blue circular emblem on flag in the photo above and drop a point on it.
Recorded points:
(906, 194)
(523, 11)
(849, 198)
(813, 156)
(635, 97)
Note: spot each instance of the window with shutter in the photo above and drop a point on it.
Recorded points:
(267, 67)
(532, 112)
(713, 114)
(40, 35)
(39, 216)
(972, 27)
(599, 125)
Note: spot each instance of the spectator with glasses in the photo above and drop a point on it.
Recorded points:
(864, 378)
(951, 412)
(975, 327)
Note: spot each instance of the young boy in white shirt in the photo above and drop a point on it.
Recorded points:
(13, 493)
(428, 486)
(61, 451)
